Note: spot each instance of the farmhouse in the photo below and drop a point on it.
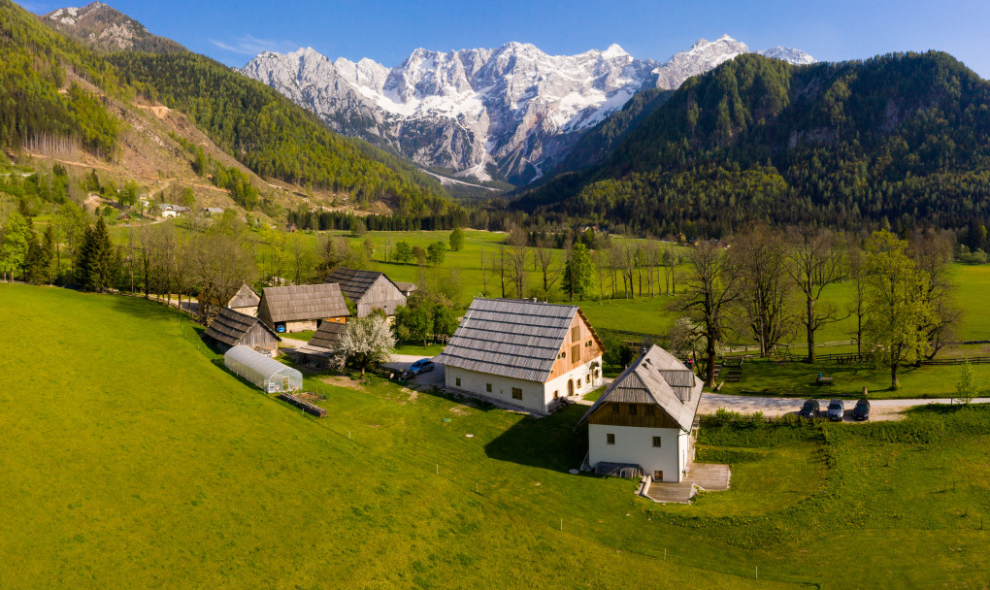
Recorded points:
(368, 290)
(231, 328)
(302, 307)
(523, 353)
(245, 301)
(645, 419)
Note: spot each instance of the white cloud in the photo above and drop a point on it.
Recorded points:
(251, 45)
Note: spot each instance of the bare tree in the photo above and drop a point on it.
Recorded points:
(713, 289)
(670, 260)
(857, 307)
(548, 264)
(499, 266)
(518, 255)
(302, 257)
(765, 288)
(484, 275)
(650, 258)
(220, 264)
(814, 262)
(333, 251)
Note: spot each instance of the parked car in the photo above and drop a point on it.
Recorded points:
(862, 410)
(836, 408)
(811, 409)
(419, 367)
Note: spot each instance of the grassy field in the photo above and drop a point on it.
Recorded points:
(130, 460)
(763, 377)
(656, 315)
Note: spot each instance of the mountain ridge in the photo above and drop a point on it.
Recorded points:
(511, 113)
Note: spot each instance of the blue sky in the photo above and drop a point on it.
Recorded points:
(232, 31)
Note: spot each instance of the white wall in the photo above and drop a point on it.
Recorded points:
(536, 396)
(635, 445)
(578, 374)
(533, 393)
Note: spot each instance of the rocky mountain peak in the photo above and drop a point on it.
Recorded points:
(513, 109)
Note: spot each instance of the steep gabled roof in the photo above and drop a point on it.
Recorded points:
(328, 336)
(510, 338)
(657, 378)
(355, 283)
(304, 302)
(230, 326)
(245, 297)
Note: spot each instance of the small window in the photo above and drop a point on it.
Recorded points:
(516, 393)
(556, 394)
(615, 408)
(458, 381)
(587, 344)
(488, 387)
(656, 442)
(587, 378)
(596, 373)
(610, 439)
(575, 333)
(562, 355)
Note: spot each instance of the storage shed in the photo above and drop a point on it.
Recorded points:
(270, 375)
(232, 328)
(323, 346)
(368, 290)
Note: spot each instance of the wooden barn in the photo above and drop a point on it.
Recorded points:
(302, 307)
(368, 290)
(244, 301)
(322, 347)
(231, 328)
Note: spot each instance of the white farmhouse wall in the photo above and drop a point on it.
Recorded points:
(578, 374)
(634, 445)
(536, 396)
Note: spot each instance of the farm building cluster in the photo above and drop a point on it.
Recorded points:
(518, 354)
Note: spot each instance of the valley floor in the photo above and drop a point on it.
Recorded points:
(130, 459)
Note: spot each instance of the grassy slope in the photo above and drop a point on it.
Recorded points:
(129, 460)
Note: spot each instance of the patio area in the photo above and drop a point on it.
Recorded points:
(709, 477)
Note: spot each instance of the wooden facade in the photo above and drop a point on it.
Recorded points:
(383, 295)
(581, 346)
(640, 415)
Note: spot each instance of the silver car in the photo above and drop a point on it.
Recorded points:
(836, 409)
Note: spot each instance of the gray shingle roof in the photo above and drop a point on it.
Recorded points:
(245, 297)
(658, 378)
(328, 336)
(230, 326)
(305, 302)
(509, 338)
(355, 283)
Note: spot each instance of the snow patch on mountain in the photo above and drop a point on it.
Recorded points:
(514, 107)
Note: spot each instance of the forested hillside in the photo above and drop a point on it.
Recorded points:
(57, 96)
(900, 140)
(272, 136)
(38, 104)
(597, 145)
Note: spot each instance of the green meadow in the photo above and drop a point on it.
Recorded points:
(655, 315)
(130, 459)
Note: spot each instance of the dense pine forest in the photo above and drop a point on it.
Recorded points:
(900, 141)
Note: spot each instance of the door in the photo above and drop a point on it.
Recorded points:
(658, 476)
(570, 387)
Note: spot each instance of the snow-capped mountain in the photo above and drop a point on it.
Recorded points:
(508, 113)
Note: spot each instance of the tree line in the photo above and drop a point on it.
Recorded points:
(766, 286)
